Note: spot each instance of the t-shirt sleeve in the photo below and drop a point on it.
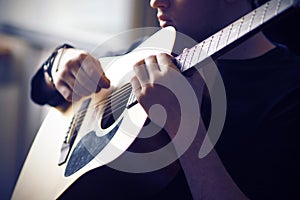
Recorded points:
(40, 94)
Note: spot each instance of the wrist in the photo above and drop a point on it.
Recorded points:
(49, 63)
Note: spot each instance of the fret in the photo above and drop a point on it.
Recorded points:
(233, 35)
(261, 11)
(224, 37)
(209, 44)
(186, 52)
(189, 58)
(257, 18)
(197, 51)
(233, 32)
(264, 12)
(284, 5)
(213, 44)
(277, 7)
(178, 59)
(182, 60)
(204, 50)
(251, 20)
(240, 26)
(245, 26)
(200, 50)
(201, 47)
(219, 38)
(271, 11)
(230, 29)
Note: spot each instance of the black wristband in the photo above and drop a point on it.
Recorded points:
(48, 64)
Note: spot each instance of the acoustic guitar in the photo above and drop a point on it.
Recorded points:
(98, 129)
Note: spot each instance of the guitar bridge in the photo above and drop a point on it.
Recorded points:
(72, 132)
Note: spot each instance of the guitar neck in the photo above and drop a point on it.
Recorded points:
(234, 33)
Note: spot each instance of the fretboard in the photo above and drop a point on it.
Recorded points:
(230, 35)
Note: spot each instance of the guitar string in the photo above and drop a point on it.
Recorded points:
(114, 96)
(82, 112)
(120, 105)
(80, 115)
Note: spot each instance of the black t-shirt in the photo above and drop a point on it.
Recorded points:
(259, 144)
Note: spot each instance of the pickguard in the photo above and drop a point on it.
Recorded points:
(87, 149)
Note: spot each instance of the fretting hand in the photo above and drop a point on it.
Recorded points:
(150, 86)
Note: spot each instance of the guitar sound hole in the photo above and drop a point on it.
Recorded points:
(110, 116)
(116, 106)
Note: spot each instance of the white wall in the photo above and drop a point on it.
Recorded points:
(84, 20)
(56, 16)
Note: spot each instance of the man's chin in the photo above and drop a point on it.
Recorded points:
(164, 24)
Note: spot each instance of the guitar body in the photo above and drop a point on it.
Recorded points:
(75, 140)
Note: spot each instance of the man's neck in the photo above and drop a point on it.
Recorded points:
(255, 46)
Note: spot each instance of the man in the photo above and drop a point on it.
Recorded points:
(256, 156)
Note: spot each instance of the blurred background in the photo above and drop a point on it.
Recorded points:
(31, 29)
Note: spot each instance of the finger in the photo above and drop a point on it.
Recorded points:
(136, 87)
(79, 89)
(67, 93)
(93, 69)
(65, 86)
(85, 81)
(87, 74)
(76, 87)
(67, 78)
(65, 72)
(104, 81)
(165, 61)
(152, 67)
(71, 73)
(141, 72)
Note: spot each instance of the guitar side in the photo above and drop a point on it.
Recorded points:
(41, 176)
